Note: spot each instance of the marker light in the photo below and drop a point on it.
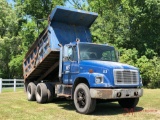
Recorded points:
(90, 71)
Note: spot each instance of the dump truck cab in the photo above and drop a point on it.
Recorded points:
(98, 64)
(80, 57)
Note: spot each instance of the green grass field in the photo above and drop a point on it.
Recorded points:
(14, 106)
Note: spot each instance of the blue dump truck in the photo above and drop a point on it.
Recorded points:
(63, 62)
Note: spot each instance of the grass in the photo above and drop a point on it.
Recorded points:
(14, 106)
(12, 89)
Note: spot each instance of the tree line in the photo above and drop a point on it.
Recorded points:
(131, 26)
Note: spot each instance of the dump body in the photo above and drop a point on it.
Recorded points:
(65, 26)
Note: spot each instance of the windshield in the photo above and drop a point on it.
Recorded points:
(97, 52)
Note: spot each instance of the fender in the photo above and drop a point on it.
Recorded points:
(90, 77)
(85, 75)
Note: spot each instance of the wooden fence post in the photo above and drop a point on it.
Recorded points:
(14, 85)
(0, 85)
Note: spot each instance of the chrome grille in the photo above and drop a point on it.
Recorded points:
(126, 77)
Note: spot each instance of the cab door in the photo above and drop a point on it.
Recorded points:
(70, 65)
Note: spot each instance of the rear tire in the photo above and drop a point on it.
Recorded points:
(41, 93)
(82, 99)
(128, 102)
(31, 88)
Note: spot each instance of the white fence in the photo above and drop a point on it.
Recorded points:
(11, 83)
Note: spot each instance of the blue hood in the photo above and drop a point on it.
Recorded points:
(104, 68)
(106, 64)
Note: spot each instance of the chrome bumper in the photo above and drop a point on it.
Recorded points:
(115, 93)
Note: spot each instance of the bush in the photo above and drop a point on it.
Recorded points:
(149, 68)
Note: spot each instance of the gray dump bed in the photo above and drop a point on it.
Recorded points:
(65, 26)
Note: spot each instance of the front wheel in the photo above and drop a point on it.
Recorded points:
(82, 99)
(128, 102)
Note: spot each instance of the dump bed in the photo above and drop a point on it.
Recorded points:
(65, 26)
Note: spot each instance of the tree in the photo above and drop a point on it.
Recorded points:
(8, 41)
(129, 24)
(30, 12)
(132, 26)
(8, 20)
(18, 30)
(38, 9)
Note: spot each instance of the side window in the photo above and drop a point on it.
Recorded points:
(72, 52)
(75, 58)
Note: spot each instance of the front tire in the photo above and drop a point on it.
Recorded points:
(82, 99)
(128, 102)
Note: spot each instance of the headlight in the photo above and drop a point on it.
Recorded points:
(141, 80)
(99, 79)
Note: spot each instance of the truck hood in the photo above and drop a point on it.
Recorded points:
(106, 64)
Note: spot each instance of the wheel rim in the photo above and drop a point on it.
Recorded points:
(81, 98)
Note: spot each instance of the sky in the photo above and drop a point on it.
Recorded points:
(10, 1)
(67, 3)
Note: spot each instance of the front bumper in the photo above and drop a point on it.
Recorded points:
(115, 93)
